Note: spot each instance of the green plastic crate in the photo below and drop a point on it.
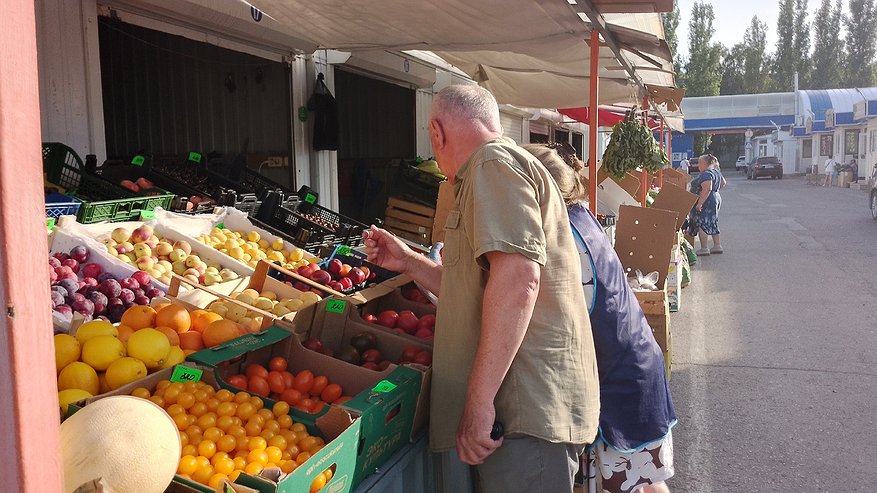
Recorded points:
(101, 199)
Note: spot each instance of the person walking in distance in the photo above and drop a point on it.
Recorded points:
(830, 170)
(512, 346)
(704, 219)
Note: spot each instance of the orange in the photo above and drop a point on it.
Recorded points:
(174, 316)
(220, 331)
(139, 317)
(172, 336)
(201, 319)
(125, 332)
(160, 306)
(190, 341)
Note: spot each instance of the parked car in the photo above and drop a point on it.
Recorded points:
(765, 166)
(740, 164)
(872, 196)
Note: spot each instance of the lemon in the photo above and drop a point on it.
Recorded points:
(95, 328)
(100, 351)
(295, 255)
(65, 397)
(124, 371)
(254, 236)
(174, 357)
(67, 351)
(78, 375)
(149, 346)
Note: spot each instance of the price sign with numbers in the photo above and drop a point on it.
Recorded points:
(195, 157)
(185, 374)
(310, 198)
(336, 306)
(384, 386)
(343, 250)
(138, 160)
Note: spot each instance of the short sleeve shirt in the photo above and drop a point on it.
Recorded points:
(506, 201)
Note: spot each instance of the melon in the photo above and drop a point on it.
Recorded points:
(131, 443)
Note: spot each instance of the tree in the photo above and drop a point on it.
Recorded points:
(828, 47)
(756, 79)
(793, 45)
(670, 20)
(733, 70)
(861, 43)
(802, 41)
(703, 75)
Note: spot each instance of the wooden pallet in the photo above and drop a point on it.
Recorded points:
(410, 220)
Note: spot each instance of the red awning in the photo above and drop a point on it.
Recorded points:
(605, 117)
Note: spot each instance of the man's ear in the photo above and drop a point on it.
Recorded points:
(437, 133)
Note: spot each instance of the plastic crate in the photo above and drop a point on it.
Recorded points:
(101, 199)
(58, 204)
(312, 247)
(416, 186)
(348, 231)
(115, 173)
(260, 184)
(302, 231)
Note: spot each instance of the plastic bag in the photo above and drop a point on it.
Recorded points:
(640, 282)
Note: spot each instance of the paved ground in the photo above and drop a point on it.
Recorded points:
(775, 347)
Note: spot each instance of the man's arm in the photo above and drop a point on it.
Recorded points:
(509, 299)
(389, 252)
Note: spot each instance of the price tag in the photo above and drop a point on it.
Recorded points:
(185, 374)
(336, 306)
(147, 215)
(343, 250)
(50, 223)
(310, 198)
(138, 160)
(384, 386)
(195, 157)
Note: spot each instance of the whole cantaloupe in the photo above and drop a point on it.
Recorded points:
(129, 442)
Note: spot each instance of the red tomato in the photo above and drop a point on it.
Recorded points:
(331, 393)
(277, 364)
(238, 381)
(259, 386)
(304, 381)
(423, 358)
(275, 382)
(255, 370)
(320, 383)
(409, 353)
(291, 397)
(288, 379)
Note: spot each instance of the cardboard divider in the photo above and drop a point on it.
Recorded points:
(675, 199)
(385, 402)
(338, 427)
(644, 240)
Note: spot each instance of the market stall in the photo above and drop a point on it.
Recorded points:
(259, 331)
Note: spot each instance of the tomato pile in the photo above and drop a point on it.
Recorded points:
(304, 391)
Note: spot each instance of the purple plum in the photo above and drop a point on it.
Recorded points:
(70, 285)
(110, 287)
(114, 313)
(57, 299)
(79, 253)
(54, 262)
(92, 270)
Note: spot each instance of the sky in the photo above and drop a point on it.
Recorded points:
(734, 16)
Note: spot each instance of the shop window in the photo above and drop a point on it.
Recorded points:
(851, 142)
(807, 150)
(826, 142)
(762, 148)
(561, 135)
(538, 138)
(873, 140)
(578, 142)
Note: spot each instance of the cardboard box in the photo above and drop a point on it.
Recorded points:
(675, 199)
(677, 178)
(385, 403)
(660, 325)
(844, 179)
(644, 240)
(674, 281)
(668, 362)
(338, 427)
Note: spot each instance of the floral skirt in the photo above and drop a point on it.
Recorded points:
(611, 471)
(707, 220)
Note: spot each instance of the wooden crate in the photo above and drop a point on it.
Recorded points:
(410, 220)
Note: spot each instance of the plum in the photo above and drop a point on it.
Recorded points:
(53, 276)
(154, 292)
(54, 262)
(143, 278)
(141, 300)
(57, 299)
(138, 292)
(114, 301)
(79, 253)
(65, 310)
(90, 281)
(86, 290)
(60, 290)
(114, 313)
(104, 276)
(84, 307)
(129, 283)
(127, 297)
(73, 264)
(73, 298)
(70, 285)
(91, 270)
(110, 287)
(100, 301)
(60, 256)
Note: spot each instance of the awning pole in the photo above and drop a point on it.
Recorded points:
(644, 176)
(661, 171)
(670, 146)
(592, 120)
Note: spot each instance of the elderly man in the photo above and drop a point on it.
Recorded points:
(513, 343)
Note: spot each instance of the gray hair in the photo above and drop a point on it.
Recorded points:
(710, 159)
(467, 102)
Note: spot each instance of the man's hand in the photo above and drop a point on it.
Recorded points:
(473, 433)
(386, 250)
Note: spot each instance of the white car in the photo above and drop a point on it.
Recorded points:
(740, 164)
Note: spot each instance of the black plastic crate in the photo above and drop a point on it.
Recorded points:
(303, 231)
(312, 247)
(416, 186)
(348, 231)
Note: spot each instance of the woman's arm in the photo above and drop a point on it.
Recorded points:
(724, 182)
(705, 189)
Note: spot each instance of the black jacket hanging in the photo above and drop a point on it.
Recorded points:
(325, 109)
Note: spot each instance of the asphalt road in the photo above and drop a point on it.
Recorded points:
(775, 346)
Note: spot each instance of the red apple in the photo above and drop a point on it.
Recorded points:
(409, 353)
(313, 344)
(356, 275)
(370, 364)
(337, 286)
(388, 318)
(372, 355)
(142, 278)
(301, 286)
(346, 283)
(334, 266)
(383, 365)
(321, 277)
(370, 318)
(427, 322)
(423, 358)
(424, 334)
